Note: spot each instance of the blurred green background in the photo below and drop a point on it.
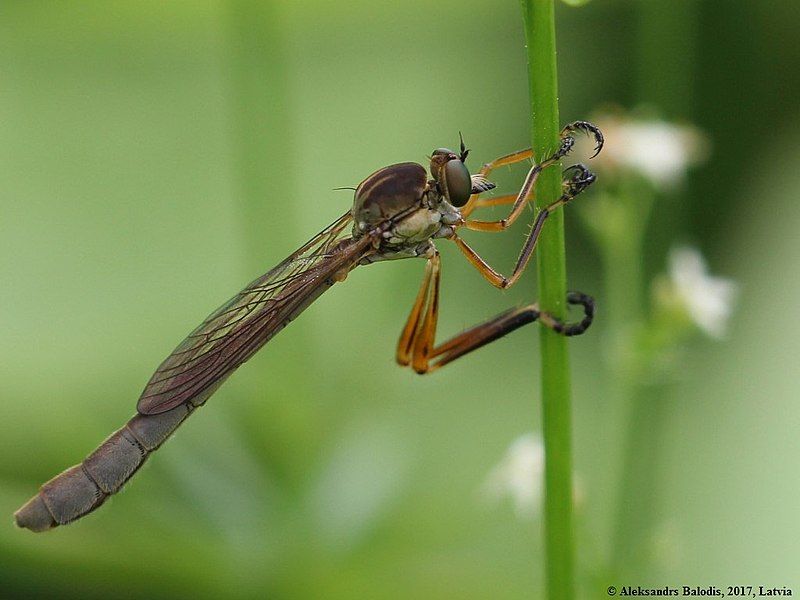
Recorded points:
(156, 156)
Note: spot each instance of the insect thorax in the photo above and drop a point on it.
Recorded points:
(400, 200)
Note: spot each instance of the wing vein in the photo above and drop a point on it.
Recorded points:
(236, 330)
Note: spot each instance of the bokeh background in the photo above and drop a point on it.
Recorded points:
(155, 156)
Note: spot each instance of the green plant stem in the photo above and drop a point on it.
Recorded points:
(666, 48)
(260, 132)
(260, 121)
(621, 256)
(666, 44)
(551, 263)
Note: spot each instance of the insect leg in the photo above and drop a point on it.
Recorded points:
(508, 159)
(426, 334)
(525, 193)
(414, 323)
(572, 186)
(477, 202)
(495, 328)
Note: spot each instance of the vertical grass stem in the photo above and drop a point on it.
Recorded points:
(551, 262)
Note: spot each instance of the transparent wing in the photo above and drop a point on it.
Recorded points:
(236, 330)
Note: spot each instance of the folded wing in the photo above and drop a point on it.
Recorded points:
(236, 330)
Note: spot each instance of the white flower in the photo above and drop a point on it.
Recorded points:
(519, 475)
(708, 300)
(659, 150)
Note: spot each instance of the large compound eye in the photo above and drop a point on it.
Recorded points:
(457, 182)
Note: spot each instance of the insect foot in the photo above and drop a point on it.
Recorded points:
(586, 127)
(579, 181)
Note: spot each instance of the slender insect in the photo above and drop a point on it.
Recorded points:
(397, 213)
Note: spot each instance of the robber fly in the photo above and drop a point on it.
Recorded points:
(397, 212)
